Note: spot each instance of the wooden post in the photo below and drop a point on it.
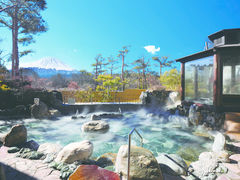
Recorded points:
(182, 81)
(216, 88)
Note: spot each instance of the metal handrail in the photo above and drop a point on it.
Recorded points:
(197, 178)
(129, 149)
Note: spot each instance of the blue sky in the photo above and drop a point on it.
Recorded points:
(81, 29)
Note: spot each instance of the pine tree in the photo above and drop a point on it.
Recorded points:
(122, 54)
(163, 62)
(141, 65)
(23, 18)
(112, 64)
(98, 67)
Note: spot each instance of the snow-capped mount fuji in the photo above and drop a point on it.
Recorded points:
(49, 66)
(48, 63)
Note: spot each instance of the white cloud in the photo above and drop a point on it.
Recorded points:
(152, 49)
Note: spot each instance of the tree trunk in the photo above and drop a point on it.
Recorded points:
(100, 68)
(13, 49)
(96, 75)
(15, 57)
(123, 86)
(160, 70)
(144, 80)
(111, 70)
(139, 79)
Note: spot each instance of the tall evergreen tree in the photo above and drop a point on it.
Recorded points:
(163, 62)
(112, 64)
(122, 54)
(24, 20)
(98, 67)
(141, 65)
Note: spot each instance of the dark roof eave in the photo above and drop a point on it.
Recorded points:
(198, 55)
(205, 53)
(221, 33)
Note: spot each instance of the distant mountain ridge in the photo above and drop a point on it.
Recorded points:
(48, 63)
(49, 66)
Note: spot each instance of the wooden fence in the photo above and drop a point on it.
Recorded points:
(129, 95)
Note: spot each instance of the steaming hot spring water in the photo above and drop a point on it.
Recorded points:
(163, 133)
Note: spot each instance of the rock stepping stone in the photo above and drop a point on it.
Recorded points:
(235, 157)
(237, 144)
(232, 176)
(223, 177)
(233, 135)
(92, 172)
(171, 177)
(233, 168)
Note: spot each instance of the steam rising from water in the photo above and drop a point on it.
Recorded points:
(173, 100)
(161, 132)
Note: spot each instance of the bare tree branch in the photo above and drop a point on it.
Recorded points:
(1, 10)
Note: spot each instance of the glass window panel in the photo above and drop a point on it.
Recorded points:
(227, 71)
(199, 80)
(231, 75)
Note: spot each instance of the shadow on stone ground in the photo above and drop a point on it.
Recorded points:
(13, 174)
(170, 177)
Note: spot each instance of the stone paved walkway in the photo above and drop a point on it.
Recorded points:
(17, 168)
(233, 167)
(24, 169)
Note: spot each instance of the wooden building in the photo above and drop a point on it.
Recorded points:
(213, 76)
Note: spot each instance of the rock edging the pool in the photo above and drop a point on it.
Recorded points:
(75, 158)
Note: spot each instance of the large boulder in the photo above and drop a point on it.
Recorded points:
(75, 151)
(220, 156)
(107, 159)
(154, 97)
(2, 137)
(16, 136)
(54, 113)
(203, 169)
(18, 112)
(95, 126)
(33, 145)
(93, 172)
(171, 166)
(55, 99)
(100, 116)
(194, 117)
(14, 97)
(209, 165)
(49, 148)
(144, 97)
(39, 111)
(95, 117)
(51, 151)
(52, 99)
(143, 165)
(219, 143)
